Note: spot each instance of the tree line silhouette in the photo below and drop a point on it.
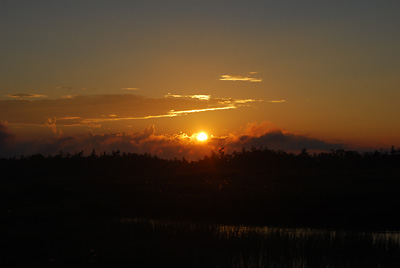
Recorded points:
(254, 159)
(258, 186)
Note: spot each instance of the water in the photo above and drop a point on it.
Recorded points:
(205, 245)
(132, 242)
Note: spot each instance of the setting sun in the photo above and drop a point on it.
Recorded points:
(202, 136)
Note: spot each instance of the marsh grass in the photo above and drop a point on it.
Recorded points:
(152, 243)
(252, 246)
(62, 211)
(131, 242)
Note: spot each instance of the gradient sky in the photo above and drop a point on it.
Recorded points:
(321, 71)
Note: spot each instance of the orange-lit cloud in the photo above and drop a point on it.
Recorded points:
(236, 101)
(171, 113)
(166, 146)
(176, 113)
(198, 96)
(70, 117)
(276, 101)
(51, 123)
(90, 110)
(26, 96)
(249, 78)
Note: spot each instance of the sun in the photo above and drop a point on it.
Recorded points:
(202, 136)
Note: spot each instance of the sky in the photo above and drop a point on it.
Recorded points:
(148, 76)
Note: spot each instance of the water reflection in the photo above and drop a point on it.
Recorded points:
(387, 237)
(252, 246)
(241, 231)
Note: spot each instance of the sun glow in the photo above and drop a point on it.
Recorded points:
(202, 136)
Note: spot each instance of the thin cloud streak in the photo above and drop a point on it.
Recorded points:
(234, 101)
(89, 110)
(26, 96)
(240, 78)
(277, 101)
(69, 118)
(202, 110)
(170, 114)
(198, 96)
(244, 101)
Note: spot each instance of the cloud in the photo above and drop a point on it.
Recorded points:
(249, 78)
(246, 101)
(51, 123)
(90, 111)
(265, 135)
(176, 113)
(280, 140)
(26, 96)
(276, 101)
(169, 146)
(198, 96)
(163, 145)
(171, 113)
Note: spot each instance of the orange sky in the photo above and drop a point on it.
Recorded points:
(319, 74)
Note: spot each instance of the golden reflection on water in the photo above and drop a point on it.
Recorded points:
(233, 231)
(239, 231)
(387, 237)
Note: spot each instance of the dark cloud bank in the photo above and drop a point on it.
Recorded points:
(165, 146)
(286, 141)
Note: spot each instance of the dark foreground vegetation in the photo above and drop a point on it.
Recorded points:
(261, 186)
(70, 197)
